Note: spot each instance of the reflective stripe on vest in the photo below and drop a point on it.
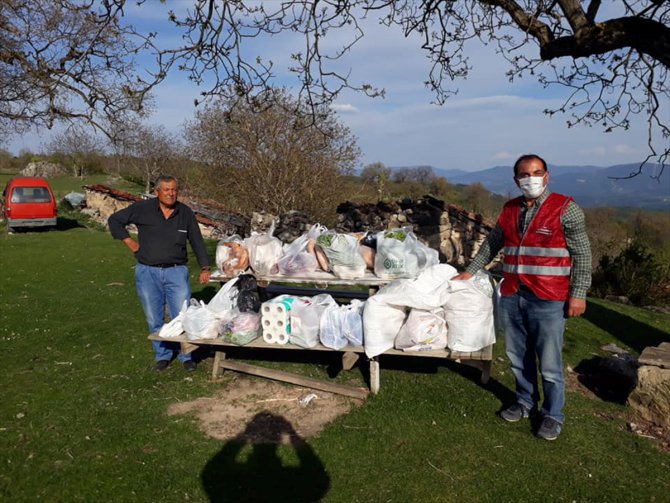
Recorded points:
(538, 270)
(536, 251)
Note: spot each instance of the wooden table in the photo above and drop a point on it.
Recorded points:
(322, 281)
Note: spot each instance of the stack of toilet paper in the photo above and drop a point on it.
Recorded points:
(276, 319)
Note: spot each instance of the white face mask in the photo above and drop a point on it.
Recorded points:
(532, 187)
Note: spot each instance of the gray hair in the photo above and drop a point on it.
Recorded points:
(164, 178)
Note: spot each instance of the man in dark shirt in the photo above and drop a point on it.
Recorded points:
(161, 274)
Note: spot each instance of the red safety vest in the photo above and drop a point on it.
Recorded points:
(540, 258)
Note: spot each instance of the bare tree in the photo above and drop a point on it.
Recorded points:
(378, 176)
(151, 150)
(275, 159)
(78, 146)
(74, 58)
(68, 61)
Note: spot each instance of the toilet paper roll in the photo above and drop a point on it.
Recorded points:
(269, 337)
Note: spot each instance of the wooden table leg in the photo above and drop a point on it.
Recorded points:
(374, 376)
(217, 368)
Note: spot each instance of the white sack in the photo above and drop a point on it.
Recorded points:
(423, 331)
(469, 313)
(385, 311)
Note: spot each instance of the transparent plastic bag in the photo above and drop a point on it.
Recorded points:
(306, 318)
(232, 257)
(264, 250)
(343, 253)
(242, 328)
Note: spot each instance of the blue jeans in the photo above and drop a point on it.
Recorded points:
(157, 289)
(534, 340)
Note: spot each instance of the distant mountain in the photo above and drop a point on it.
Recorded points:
(590, 186)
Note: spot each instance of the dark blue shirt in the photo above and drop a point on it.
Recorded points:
(162, 241)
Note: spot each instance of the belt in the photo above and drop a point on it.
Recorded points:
(524, 288)
(162, 266)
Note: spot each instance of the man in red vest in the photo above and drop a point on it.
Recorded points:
(546, 275)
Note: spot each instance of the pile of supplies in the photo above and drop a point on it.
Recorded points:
(423, 313)
(390, 254)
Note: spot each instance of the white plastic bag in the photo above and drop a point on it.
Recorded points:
(342, 325)
(174, 327)
(305, 319)
(469, 313)
(385, 312)
(401, 255)
(199, 322)
(225, 300)
(344, 256)
(423, 331)
(265, 251)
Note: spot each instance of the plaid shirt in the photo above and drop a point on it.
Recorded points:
(574, 227)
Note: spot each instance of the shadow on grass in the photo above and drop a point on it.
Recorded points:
(505, 395)
(249, 468)
(65, 224)
(628, 330)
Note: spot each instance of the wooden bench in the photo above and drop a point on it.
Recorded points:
(350, 354)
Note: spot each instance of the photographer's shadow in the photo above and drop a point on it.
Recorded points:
(268, 461)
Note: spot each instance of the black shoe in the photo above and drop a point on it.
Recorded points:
(161, 365)
(190, 365)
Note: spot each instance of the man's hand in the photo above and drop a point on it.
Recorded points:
(132, 245)
(204, 277)
(576, 307)
(462, 276)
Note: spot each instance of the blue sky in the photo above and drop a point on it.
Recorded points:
(489, 122)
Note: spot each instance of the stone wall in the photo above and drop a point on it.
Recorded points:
(454, 232)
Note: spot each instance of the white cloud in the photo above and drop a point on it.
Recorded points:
(345, 108)
(504, 156)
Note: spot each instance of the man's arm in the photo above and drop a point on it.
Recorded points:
(199, 248)
(577, 242)
(487, 252)
(117, 227)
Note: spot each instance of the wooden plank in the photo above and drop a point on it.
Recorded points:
(485, 354)
(279, 375)
(657, 356)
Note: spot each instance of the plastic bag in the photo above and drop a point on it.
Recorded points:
(469, 313)
(401, 255)
(423, 331)
(265, 251)
(247, 294)
(342, 325)
(385, 312)
(306, 318)
(232, 257)
(174, 328)
(343, 254)
(242, 328)
(199, 322)
(225, 300)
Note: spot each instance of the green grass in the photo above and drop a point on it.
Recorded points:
(83, 418)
